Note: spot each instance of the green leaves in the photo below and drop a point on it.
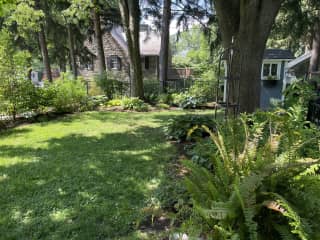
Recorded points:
(25, 16)
(260, 178)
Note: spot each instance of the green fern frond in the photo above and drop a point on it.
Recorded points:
(247, 196)
(284, 232)
(295, 222)
(219, 142)
(218, 211)
(221, 233)
(313, 170)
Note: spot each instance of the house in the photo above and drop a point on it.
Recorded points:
(273, 76)
(116, 53)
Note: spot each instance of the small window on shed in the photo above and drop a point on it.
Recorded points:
(274, 69)
(114, 62)
(270, 71)
(266, 70)
(147, 62)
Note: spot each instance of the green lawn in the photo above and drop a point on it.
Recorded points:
(85, 176)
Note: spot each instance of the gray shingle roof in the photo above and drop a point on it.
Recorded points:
(149, 42)
(277, 54)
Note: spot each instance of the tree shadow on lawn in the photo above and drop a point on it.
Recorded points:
(80, 187)
(155, 117)
(121, 117)
(13, 131)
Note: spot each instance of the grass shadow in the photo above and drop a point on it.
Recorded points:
(80, 187)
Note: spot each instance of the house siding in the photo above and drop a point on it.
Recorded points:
(152, 72)
(112, 47)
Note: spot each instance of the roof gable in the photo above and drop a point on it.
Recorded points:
(277, 54)
(150, 41)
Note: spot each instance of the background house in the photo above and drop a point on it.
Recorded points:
(116, 53)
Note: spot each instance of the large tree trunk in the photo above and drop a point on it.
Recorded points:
(44, 53)
(99, 41)
(72, 51)
(249, 23)
(130, 14)
(43, 46)
(315, 52)
(165, 42)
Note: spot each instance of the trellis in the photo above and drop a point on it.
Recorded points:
(232, 83)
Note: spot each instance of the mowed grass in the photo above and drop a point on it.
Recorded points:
(85, 176)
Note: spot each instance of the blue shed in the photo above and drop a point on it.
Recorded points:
(273, 75)
(273, 68)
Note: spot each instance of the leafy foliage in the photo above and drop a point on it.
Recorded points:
(299, 93)
(186, 101)
(113, 85)
(96, 101)
(162, 106)
(134, 104)
(254, 189)
(177, 128)
(198, 94)
(70, 95)
(151, 90)
(16, 90)
(200, 152)
(165, 98)
(114, 103)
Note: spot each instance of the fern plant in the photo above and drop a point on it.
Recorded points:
(260, 180)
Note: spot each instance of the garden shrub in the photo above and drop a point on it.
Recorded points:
(186, 100)
(200, 152)
(177, 128)
(113, 85)
(151, 90)
(134, 104)
(165, 98)
(70, 95)
(203, 89)
(18, 96)
(16, 91)
(114, 103)
(46, 96)
(299, 93)
(163, 106)
(94, 102)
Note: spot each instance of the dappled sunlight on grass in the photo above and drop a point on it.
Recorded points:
(85, 176)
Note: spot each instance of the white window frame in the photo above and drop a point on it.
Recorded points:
(277, 77)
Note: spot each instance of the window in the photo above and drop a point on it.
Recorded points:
(88, 64)
(274, 69)
(146, 63)
(270, 70)
(114, 62)
(266, 69)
